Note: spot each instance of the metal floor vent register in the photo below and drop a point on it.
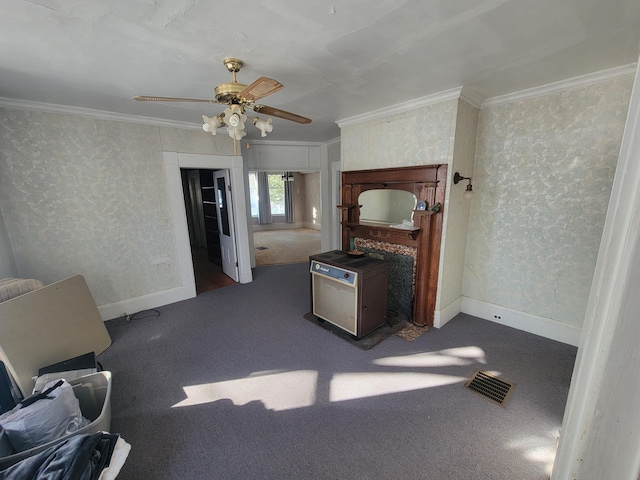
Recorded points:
(494, 388)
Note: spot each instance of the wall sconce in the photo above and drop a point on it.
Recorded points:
(468, 193)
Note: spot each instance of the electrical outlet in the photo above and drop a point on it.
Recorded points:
(497, 317)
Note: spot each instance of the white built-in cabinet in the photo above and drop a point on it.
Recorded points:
(283, 157)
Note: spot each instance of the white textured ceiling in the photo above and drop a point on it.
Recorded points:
(336, 59)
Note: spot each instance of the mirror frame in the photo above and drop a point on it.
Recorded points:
(386, 206)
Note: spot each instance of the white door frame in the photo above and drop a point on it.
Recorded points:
(610, 332)
(173, 162)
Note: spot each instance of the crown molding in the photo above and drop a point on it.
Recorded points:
(101, 114)
(472, 97)
(295, 143)
(121, 117)
(333, 141)
(465, 94)
(563, 85)
(402, 107)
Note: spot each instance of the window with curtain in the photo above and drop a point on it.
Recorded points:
(253, 193)
(276, 193)
(289, 194)
(271, 195)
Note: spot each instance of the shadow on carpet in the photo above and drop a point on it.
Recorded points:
(394, 324)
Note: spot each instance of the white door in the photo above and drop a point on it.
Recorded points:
(224, 208)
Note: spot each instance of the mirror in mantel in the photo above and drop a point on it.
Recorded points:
(386, 206)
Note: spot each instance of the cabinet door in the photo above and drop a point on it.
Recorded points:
(373, 303)
(284, 157)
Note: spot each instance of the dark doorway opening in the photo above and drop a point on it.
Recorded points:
(202, 222)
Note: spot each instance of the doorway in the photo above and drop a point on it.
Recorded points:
(286, 212)
(208, 276)
(173, 162)
(202, 212)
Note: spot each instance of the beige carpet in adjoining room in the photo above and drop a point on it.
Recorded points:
(294, 245)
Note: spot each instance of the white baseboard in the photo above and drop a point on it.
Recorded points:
(130, 306)
(442, 316)
(545, 327)
(276, 226)
(286, 226)
(313, 226)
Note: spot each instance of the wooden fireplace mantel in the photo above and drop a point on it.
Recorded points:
(427, 183)
(383, 234)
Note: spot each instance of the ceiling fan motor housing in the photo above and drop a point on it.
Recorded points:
(228, 92)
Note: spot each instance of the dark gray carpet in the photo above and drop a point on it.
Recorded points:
(289, 400)
(394, 324)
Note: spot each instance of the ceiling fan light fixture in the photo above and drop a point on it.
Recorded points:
(234, 118)
(211, 123)
(236, 133)
(238, 97)
(265, 126)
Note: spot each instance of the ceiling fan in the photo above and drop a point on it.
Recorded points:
(238, 97)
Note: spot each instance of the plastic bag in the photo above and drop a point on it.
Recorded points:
(53, 416)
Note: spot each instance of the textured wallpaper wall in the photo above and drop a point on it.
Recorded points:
(543, 174)
(455, 228)
(8, 267)
(423, 136)
(87, 196)
(313, 207)
(306, 187)
(333, 152)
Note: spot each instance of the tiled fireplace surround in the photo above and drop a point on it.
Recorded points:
(401, 278)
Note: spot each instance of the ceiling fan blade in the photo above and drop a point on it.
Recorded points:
(261, 87)
(143, 98)
(276, 112)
